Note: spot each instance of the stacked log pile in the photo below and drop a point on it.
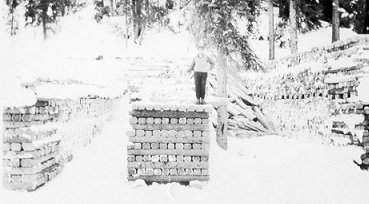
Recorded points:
(306, 98)
(301, 85)
(295, 101)
(169, 143)
(348, 115)
(342, 48)
(343, 83)
(300, 117)
(81, 121)
(350, 120)
(31, 147)
(38, 139)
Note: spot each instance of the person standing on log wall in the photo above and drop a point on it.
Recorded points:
(200, 66)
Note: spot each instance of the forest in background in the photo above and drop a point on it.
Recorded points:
(224, 26)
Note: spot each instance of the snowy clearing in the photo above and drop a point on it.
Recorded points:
(269, 169)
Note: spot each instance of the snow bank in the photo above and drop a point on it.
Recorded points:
(252, 171)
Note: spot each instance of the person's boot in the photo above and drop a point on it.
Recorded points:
(202, 101)
(198, 101)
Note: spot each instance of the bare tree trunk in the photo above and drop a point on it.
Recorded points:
(222, 93)
(126, 23)
(144, 18)
(134, 17)
(159, 16)
(293, 27)
(365, 17)
(112, 7)
(335, 22)
(271, 31)
(137, 18)
(44, 27)
(282, 8)
(12, 23)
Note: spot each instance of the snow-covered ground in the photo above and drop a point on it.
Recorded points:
(269, 169)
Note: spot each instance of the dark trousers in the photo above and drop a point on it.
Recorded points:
(200, 84)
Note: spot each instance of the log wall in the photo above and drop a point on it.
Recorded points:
(38, 139)
(320, 103)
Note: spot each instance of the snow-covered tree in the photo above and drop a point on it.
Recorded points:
(309, 13)
(43, 12)
(12, 4)
(213, 22)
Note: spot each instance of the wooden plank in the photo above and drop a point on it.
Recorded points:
(247, 109)
(235, 91)
(169, 139)
(137, 165)
(263, 120)
(168, 114)
(176, 127)
(169, 178)
(168, 152)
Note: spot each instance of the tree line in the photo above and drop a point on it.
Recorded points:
(40, 12)
(350, 14)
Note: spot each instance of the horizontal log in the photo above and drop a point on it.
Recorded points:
(169, 114)
(176, 127)
(29, 117)
(30, 170)
(36, 161)
(24, 110)
(28, 186)
(168, 152)
(11, 124)
(169, 178)
(341, 90)
(137, 165)
(169, 139)
(344, 69)
(171, 107)
(17, 132)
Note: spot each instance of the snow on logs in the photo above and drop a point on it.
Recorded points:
(30, 151)
(319, 99)
(341, 48)
(169, 143)
(350, 120)
(37, 139)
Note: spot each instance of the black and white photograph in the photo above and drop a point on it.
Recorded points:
(184, 101)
